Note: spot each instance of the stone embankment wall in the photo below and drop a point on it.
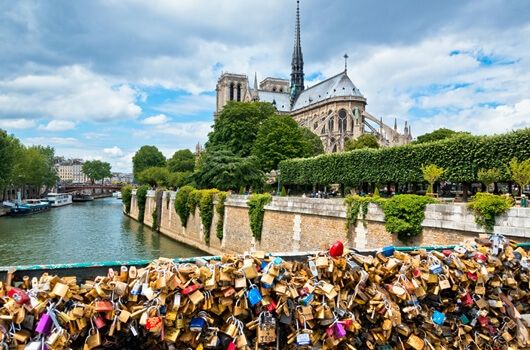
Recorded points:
(307, 224)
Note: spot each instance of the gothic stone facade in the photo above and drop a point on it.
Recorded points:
(334, 109)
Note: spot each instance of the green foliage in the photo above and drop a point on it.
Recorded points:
(181, 204)
(241, 190)
(194, 199)
(10, 151)
(313, 143)
(158, 205)
(206, 210)
(237, 125)
(126, 196)
(256, 210)
(181, 161)
(404, 214)
(154, 176)
(141, 197)
(280, 138)
(220, 168)
(220, 209)
(461, 157)
(147, 157)
(486, 207)
(283, 192)
(96, 170)
(431, 174)
(439, 134)
(520, 171)
(363, 141)
(489, 176)
(180, 179)
(358, 206)
(376, 190)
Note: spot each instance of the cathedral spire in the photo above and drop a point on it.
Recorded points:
(297, 63)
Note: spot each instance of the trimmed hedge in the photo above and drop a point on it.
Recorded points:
(461, 157)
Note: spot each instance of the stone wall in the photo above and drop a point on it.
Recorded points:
(307, 224)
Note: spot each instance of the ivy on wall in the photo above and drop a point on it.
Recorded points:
(404, 213)
(461, 157)
(126, 197)
(181, 204)
(206, 198)
(220, 209)
(256, 211)
(141, 196)
(157, 212)
(486, 207)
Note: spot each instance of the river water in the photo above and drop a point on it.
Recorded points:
(83, 232)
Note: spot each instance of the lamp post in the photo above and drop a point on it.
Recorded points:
(278, 177)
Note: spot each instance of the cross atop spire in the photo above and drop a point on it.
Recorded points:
(297, 63)
(345, 62)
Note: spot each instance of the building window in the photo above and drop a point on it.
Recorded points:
(231, 91)
(274, 89)
(281, 89)
(331, 124)
(342, 121)
(239, 91)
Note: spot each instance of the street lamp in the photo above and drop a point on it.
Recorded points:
(278, 190)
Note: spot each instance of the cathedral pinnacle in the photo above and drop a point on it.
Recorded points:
(297, 63)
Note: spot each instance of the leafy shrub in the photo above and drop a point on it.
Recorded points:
(256, 210)
(220, 209)
(194, 199)
(486, 207)
(126, 196)
(181, 204)
(283, 192)
(404, 214)
(431, 174)
(141, 197)
(488, 176)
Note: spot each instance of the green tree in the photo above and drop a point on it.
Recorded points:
(181, 161)
(520, 172)
(489, 176)
(439, 134)
(177, 180)
(363, 141)
(279, 138)
(237, 125)
(147, 157)
(34, 169)
(431, 174)
(96, 170)
(220, 168)
(314, 145)
(10, 149)
(154, 176)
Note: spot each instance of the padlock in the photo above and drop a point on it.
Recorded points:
(254, 296)
(44, 325)
(197, 324)
(338, 330)
(388, 251)
(438, 317)
(18, 295)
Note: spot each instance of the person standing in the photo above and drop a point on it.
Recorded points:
(524, 201)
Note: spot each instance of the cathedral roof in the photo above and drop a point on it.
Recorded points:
(336, 86)
(281, 100)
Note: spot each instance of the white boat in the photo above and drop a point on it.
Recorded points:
(59, 199)
(118, 196)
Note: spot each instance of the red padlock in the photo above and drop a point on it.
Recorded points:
(416, 273)
(103, 306)
(272, 305)
(336, 249)
(472, 276)
(18, 295)
(231, 346)
(191, 289)
(466, 299)
(479, 257)
(447, 252)
(153, 324)
(99, 322)
(483, 321)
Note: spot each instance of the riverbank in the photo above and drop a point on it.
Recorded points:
(294, 224)
(3, 211)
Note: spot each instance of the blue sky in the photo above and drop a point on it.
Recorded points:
(98, 79)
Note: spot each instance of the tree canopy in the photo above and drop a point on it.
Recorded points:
(363, 141)
(314, 145)
(237, 125)
(10, 149)
(280, 138)
(182, 160)
(96, 169)
(147, 157)
(221, 168)
(154, 176)
(439, 134)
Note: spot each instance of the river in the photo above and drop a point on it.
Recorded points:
(83, 232)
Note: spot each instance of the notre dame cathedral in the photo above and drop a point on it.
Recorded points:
(334, 109)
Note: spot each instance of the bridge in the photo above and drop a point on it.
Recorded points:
(95, 188)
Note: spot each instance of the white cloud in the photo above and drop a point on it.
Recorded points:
(50, 141)
(58, 125)
(189, 105)
(155, 119)
(17, 123)
(113, 152)
(68, 93)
